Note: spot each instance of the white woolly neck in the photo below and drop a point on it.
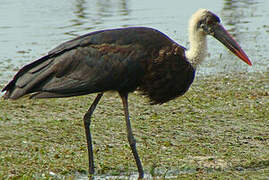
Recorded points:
(198, 44)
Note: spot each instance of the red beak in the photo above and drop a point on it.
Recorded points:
(225, 38)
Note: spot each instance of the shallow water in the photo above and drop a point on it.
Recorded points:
(134, 176)
(29, 29)
(161, 174)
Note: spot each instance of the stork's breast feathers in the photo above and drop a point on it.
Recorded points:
(168, 76)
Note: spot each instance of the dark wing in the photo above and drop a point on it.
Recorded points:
(78, 68)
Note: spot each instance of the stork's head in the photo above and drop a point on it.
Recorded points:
(207, 23)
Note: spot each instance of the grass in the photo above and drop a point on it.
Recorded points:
(218, 130)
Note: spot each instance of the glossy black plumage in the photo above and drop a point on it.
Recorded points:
(119, 59)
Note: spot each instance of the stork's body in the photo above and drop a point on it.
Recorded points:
(121, 60)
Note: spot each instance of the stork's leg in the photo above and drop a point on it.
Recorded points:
(131, 139)
(87, 123)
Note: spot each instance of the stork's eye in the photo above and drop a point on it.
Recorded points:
(209, 22)
(200, 24)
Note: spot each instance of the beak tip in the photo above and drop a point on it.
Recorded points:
(242, 55)
(248, 62)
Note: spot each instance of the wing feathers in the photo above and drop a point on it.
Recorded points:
(82, 70)
(27, 88)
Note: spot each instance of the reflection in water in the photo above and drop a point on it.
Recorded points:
(124, 10)
(235, 3)
(80, 9)
(79, 12)
(98, 11)
(237, 12)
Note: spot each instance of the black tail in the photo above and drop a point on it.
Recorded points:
(29, 77)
